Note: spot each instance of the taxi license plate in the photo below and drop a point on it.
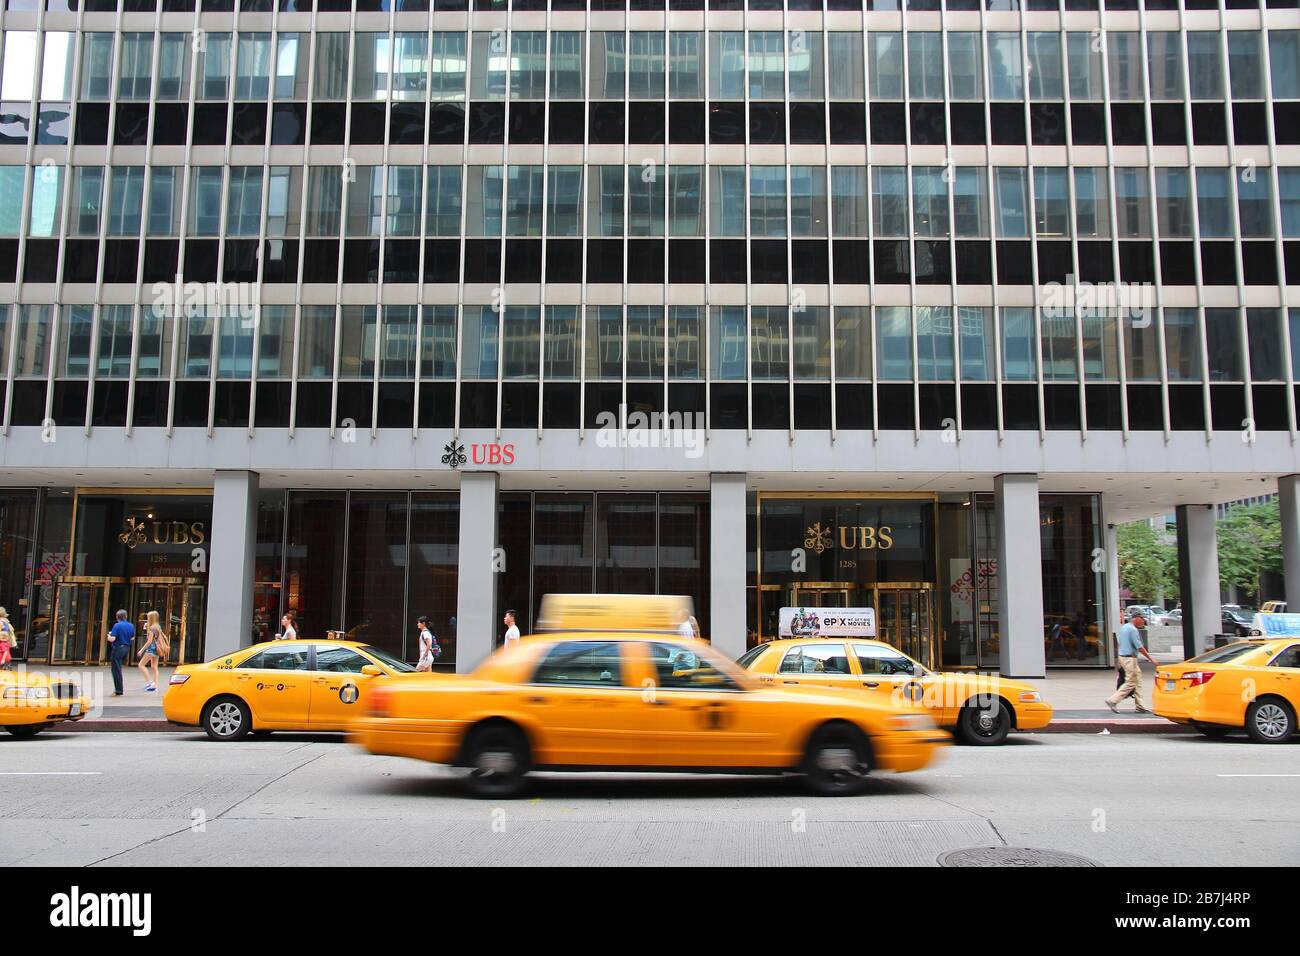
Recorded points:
(1170, 684)
(74, 710)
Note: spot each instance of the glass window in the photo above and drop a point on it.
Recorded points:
(125, 200)
(564, 201)
(235, 344)
(284, 201)
(32, 340)
(96, 66)
(645, 65)
(1223, 344)
(371, 64)
(726, 65)
(164, 201)
(134, 67)
(608, 65)
(978, 343)
(1100, 346)
(253, 66)
(1132, 203)
(566, 65)
(438, 342)
(1245, 65)
(316, 342)
(76, 323)
(1182, 345)
(11, 186)
(1288, 179)
(1283, 63)
(324, 200)
(214, 67)
(404, 204)
(410, 66)
(205, 199)
(808, 201)
(810, 343)
(339, 660)
(970, 202)
(1165, 65)
(645, 200)
(849, 201)
(605, 200)
(805, 65)
(645, 342)
(1019, 354)
(1060, 350)
(1266, 338)
(56, 67)
(528, 65)
(332, 52)
(1005, 73)
(727, 201)
(560, 346)
(1051, 201)
(524, 201)
(357, 327)
(677, 667)
(685, 214)
(685, 342)
(888, 201)
(397, 342)
(853, 343)
(925, 65)
(604, 342)
(885, 65)
(1046, 79)
(929, 201)
(483, 196)
(365, 202)
(767, 201)
(965, 66)
(46, 215)
(727, 330)
(244, 201)
(1205, 64)
(442, 201)
(291, 67)
(1141, 352)
(154, 357)
(1213, 203)
(275, 328)
(874, 659)
(479, 334)
(521, 346)
(934, 347)
(844, 65)
(195, 344)
(815, 659)
(88, 198)
(894, 343)
(1124, 57)
(1254, 204)
(769, 342)
(1083, 60)
(1013, 202)
(685, 71)
(766, 65)
(174, 66)
(1173, 202)
(447, 60)
(278, 658)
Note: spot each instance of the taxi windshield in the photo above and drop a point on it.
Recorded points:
(388, 659)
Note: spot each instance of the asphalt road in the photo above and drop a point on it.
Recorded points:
(178, 799)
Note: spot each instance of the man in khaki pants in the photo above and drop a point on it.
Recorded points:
(1130, 645)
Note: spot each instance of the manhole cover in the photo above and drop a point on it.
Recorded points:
(1012, 856)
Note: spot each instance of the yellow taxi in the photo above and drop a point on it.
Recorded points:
(981, 708)
(279, 685)
(1252, 684)
(636, 701)
(31, 702)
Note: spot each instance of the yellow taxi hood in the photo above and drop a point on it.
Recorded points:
(25, 677)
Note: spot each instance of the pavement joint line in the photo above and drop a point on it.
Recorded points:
(51, 773)
(1257, 774)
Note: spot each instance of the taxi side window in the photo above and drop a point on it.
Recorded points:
(882, 661)
(278, 659)
(581, 663)
(816, 659)
(341, 660)
(1288, 658)
(679, 668)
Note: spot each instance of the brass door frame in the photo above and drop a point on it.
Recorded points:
(929, 647)
(82, 580)
(179, 585)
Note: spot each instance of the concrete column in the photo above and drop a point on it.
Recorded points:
(231, 556)
(1111, 620)
(1288, 500)
(476, 588)
(727, 563)
(1198, 577)
(1020, 577)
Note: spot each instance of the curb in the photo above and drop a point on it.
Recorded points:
(1086, 726)
(120, 725)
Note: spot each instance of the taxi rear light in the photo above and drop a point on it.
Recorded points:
(1197, 678)
(179, 678)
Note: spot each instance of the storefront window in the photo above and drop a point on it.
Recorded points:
(376, 574)
(17, 532)
(313, 564)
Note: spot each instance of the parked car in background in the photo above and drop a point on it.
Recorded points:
(1172, 618)
(1148, 611)
(1238, 621)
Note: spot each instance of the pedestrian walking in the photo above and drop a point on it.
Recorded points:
(430, 650)
(8, 640)
(156, 645)
(512, 630)
(288, 628)
(1129, 647)
(120, 637)
(684, 628)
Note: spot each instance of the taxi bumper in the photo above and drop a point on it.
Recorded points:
(434, 741)
(1033, 716)
(44, 711)
(901, 752)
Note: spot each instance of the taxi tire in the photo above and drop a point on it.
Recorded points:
(834, 738)
(245, 718)
(26, 730)
(503, 740)
(970, 732)
(1277, 704)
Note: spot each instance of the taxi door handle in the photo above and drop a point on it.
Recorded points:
(537, 700)
(871, 683)
(795, 682)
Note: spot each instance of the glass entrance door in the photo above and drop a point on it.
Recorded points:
(180, 607)
(80, 621)
(819, 595)
(904, 619)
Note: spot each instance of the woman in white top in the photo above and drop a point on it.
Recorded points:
(427, 644)
(288, 632)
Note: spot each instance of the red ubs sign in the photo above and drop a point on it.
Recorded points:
(492, 453)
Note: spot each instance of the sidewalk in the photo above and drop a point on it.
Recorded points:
(1077, 696)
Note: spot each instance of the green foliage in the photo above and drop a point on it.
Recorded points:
(1250, 545)
(1147, 564)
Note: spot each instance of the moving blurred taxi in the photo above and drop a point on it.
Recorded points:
(279, 685)
(31, 702)
(1252, 684)
(980, 707)
(642, 700)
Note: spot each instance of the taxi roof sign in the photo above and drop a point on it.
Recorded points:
(650, 613)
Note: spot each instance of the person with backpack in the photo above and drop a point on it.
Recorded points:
(430, 650)
(156, 645)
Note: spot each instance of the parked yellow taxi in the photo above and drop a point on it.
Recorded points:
(981, 708)
(637, 701)
(279, 685)
(1252, 684)
(31, 702)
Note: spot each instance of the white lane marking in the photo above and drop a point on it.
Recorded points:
(51, 773)
(1257, 774)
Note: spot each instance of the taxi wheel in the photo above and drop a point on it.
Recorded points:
(838, 761)
(498, 760)
(984, 724)
(26, 730)
(226, 718)
(1213, 731)
(1270, 721)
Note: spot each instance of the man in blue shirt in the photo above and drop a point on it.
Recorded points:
(1130, 645)
(120, 637)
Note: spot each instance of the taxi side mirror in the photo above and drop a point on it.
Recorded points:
(370, 670)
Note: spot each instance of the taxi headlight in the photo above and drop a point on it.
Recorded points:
(1031, 697)
(912, 722)
(28, 693)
